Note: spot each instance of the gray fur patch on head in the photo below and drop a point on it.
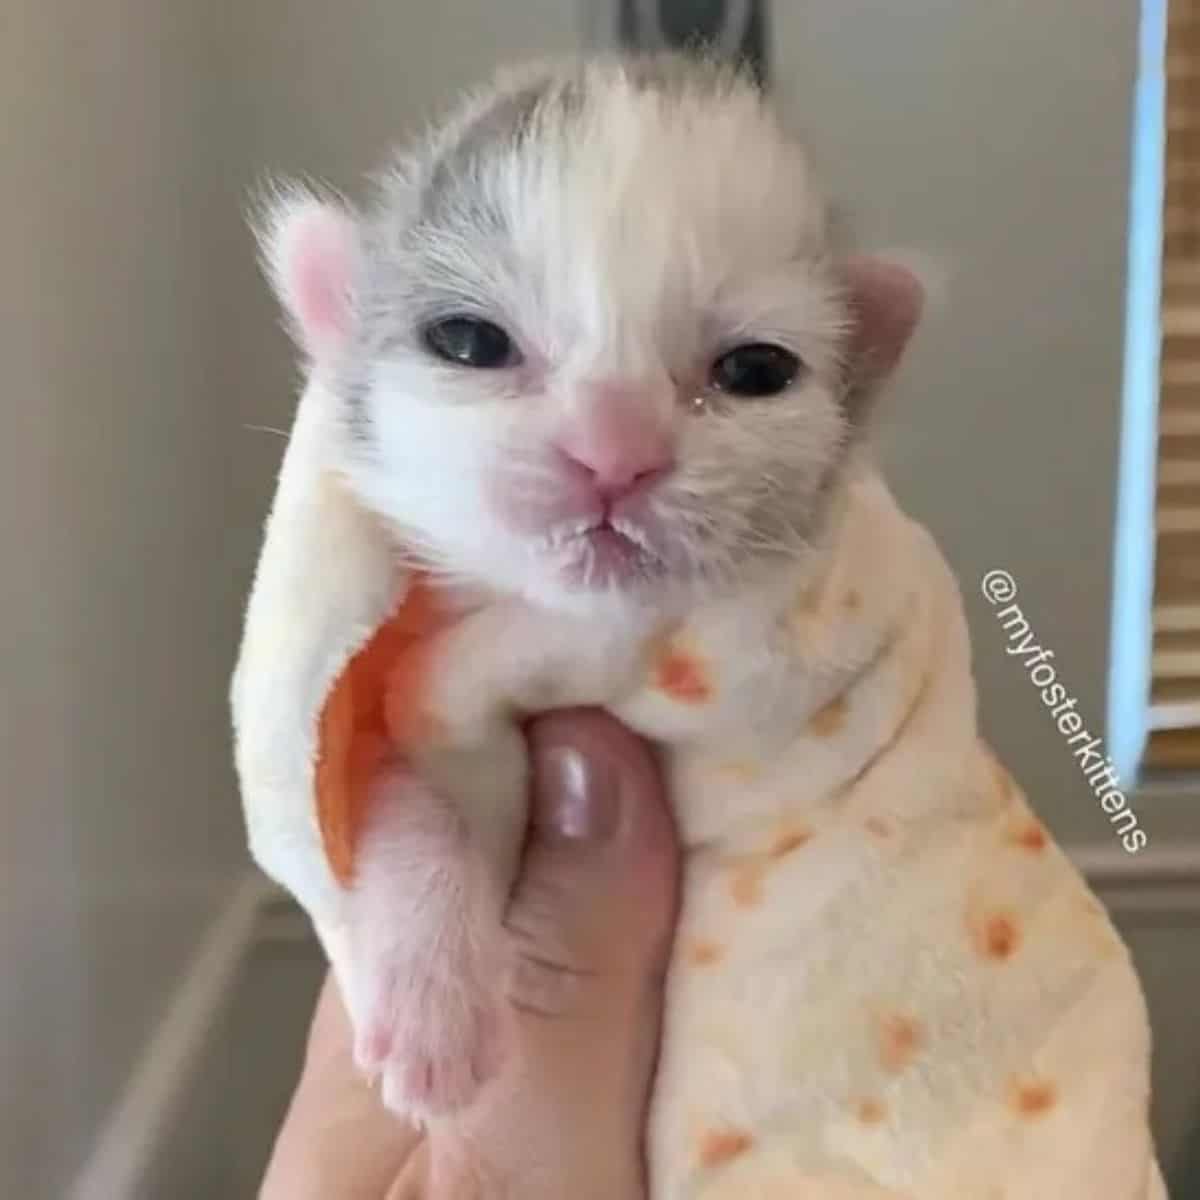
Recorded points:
(541, 109)
(455, 190)
(449, 199)
(453, 179)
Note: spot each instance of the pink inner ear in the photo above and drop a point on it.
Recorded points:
(887, 300)
(315, 264)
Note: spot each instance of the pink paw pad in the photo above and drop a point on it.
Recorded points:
(431, 1045)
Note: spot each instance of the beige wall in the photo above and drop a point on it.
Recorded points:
(124, 549)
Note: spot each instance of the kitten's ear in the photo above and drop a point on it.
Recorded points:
(310, 250)
(886, 302)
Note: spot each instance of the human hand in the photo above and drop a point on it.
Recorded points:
(590, 924)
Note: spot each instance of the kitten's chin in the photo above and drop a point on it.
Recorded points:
(605, 559)
(615, 588)
(597, 571)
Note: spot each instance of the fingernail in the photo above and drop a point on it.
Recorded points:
(578, 795)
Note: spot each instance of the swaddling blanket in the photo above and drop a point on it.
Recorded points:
(888, 981)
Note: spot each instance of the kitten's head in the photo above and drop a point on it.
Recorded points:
(594, 341)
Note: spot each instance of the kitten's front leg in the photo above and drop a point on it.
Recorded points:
(424, 941)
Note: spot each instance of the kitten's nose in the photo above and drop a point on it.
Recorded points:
(619, 440)
(614, 474)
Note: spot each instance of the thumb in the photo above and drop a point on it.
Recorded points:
(593, 911)
(590, 925)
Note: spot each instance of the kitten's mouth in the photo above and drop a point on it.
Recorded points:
(608, 553)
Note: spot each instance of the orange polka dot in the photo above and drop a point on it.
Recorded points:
(683, 677)
(746, 884)
(719, 1146)
(1033, 1098)
(878, 827)
(808, 604)
(900, 1038)
(870, 1111)
(788, 841)
(996, 936)
(704, 953)
(1002, 934)
(829, 719)
(1029, 836)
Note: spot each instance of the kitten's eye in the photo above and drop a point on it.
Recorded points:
(755, 369)
(471, 342)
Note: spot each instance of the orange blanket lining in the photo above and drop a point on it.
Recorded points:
(373, 711)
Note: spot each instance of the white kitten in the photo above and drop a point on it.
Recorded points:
(594, 350)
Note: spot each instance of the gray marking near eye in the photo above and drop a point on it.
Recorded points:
(354, 388)
(547, 110)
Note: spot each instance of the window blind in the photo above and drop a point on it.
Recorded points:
(1174, 741)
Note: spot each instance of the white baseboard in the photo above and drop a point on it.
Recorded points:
(160, 1081)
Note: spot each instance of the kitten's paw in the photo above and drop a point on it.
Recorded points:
(431, 1044)
(424, 960)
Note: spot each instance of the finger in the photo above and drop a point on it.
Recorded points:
(593, 910)
(591, 921)
(337, 1139)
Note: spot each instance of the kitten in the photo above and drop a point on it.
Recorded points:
(589, 378)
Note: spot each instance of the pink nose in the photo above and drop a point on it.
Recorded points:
(617, 441)
(617, 474)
